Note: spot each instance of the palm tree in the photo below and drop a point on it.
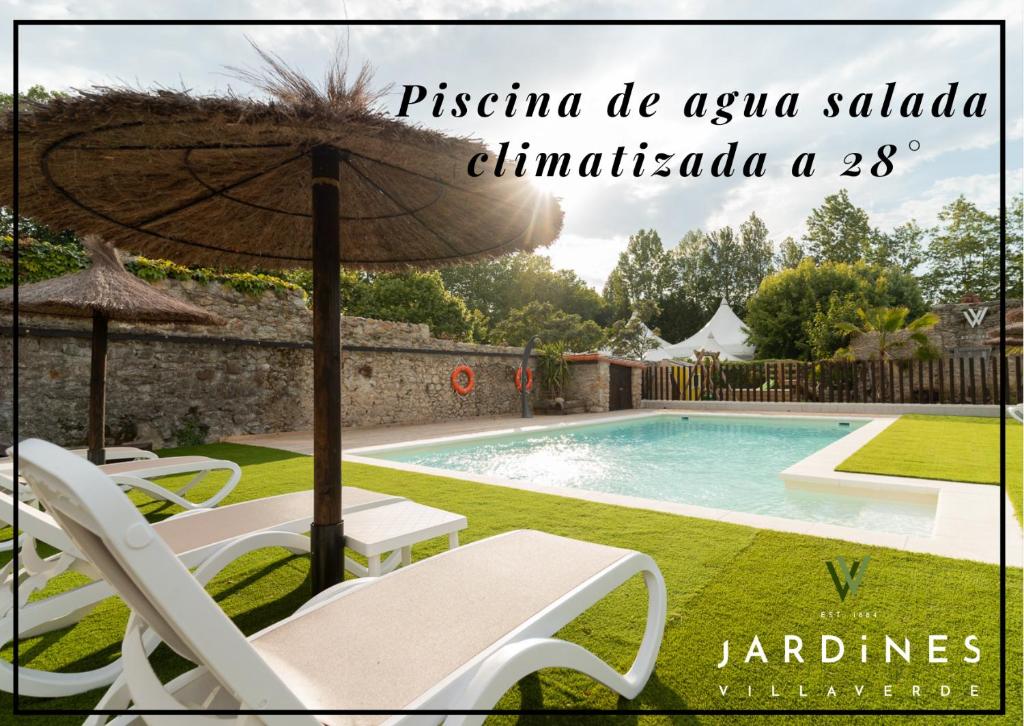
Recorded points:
(891, 331)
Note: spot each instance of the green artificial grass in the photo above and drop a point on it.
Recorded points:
(724, 582)
(956, 448)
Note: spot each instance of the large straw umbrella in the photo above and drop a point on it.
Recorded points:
(314, 177)
(104, 291)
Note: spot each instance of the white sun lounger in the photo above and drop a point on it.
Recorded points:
(112, 453)
(450, 632)
(139, 473)
(191, 536)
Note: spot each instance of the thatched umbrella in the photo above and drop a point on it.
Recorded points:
(314, 178)
(104, 291)
(1014, 330)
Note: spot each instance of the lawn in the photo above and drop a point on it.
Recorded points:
(724, 582)
(956, 448)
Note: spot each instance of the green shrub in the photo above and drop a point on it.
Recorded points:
(192, 431)
(40, 260)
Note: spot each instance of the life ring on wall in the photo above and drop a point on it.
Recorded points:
(519, 379)
(463, 389)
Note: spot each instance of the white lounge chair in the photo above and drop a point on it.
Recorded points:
(1016, 412)
(139, 474)
(192, 536)
(450, 632)
(113, 454)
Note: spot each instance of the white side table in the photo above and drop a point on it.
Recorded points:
(395, 528)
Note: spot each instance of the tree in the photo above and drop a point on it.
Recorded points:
(889, 330)
(789, 255)
(838, 231)
(496, 287)
(551, 324)
(720, 266)
(616, 299)
(629, 338)
(644, 272)
(823, 336)
(781, 315)
(1015, 248)
(902, 247)
(963, 256)
(36, 93)
(679, 315)
(408, 297)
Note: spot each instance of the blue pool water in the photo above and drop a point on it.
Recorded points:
(721, 462)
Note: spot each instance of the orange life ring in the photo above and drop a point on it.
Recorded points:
(457, 386)
(519, 379)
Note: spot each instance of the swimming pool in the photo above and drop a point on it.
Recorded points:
(722, 462)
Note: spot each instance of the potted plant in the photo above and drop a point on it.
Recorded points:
(554, 372)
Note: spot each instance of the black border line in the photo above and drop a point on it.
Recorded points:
(1001, 24)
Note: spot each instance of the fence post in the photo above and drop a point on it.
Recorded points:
(996, 398)
(970, 367)
(1017, 376)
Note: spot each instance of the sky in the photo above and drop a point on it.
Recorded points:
(955, 155)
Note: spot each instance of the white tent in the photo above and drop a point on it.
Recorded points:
(724, 333)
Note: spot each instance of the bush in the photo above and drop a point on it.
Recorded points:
(192, 431)
(793, 313)
(39, 260)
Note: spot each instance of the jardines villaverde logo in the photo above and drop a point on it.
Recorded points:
(847, 577)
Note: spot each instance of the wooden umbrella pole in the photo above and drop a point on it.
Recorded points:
(326, 532)
(97, 390)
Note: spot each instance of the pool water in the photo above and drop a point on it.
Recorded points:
(721, 462)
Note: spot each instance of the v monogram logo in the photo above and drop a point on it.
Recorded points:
(852, 575)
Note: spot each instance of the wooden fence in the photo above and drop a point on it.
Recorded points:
(947, 380)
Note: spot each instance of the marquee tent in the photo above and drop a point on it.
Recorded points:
(724, 333)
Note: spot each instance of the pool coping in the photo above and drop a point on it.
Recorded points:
(964, 517)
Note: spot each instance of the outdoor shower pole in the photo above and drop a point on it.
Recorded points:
(326, 532)
(524, 395)
(97, 390)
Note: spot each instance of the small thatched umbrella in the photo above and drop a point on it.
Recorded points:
(105, 291)
(311, 178)
(1014, 330)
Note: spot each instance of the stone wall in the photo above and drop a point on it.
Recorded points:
(412, 384)
(164, 391)
(953, 335)
(589, 382)
(956, 336)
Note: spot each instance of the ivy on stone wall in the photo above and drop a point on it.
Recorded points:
(41, 260)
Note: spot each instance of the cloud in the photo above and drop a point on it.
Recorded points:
(592, 258)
